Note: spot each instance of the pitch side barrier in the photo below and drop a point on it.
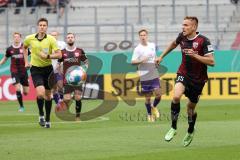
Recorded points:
(111, 75)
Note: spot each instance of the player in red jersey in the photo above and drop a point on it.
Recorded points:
(73, 56)
(18, 71)
(197, 54)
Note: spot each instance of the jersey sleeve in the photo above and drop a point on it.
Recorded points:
(7, 54)
(135, 55)
(26, 42)
(83, 57)
(61, 44)
(207, 46)
(54, 45)
(179, 38)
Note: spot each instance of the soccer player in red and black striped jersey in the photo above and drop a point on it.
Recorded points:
(197, 54)
(17, 68)
(73, 56)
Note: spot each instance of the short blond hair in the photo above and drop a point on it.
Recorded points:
(192, 18)
(142, 30)
(17, 34)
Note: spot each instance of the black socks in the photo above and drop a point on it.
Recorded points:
(175, 109)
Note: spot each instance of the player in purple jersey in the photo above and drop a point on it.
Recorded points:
(144, 57)
(197, 54)
(58, 78)
(73, 56)
(18, 71)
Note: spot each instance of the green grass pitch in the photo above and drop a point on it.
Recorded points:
(121, 134)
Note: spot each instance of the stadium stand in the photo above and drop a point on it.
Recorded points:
(97, 22)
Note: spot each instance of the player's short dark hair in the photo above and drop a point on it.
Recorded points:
(42, 20)
(17, 33)
(142, 30)
(192, 18)
(71, 33)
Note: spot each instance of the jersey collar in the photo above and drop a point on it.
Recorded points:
(36, 36)
(190, 39)
(144, 45)
(20, 44)
(71, 50)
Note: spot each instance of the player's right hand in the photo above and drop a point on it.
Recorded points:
(27, 66)
(144, 59)
(158, 60)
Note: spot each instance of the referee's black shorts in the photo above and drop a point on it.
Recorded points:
(40, 76)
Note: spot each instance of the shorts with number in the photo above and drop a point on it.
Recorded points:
(40, 76)
(192, 90)
(21, 78)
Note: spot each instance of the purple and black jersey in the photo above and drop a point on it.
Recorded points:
(190, 68)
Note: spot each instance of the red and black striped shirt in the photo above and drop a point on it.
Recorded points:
(190, 68)
(17, 59)
(72, 58)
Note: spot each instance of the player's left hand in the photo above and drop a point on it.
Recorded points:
(190, 52)
(43, 55)
(144, 59)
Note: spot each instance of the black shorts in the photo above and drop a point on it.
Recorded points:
(40, 76)
(21, 78)
(192, 90)
(53, 79)
(70, 88)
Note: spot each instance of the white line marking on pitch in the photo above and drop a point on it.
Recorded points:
(19, 114)
(18, 123)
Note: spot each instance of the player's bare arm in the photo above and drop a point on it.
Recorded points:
(3, 60)
(25, 54)
(142, 60)
(169, 48)
(56, 55)
(207, 59)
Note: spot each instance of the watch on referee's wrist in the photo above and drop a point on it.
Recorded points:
(48, 56)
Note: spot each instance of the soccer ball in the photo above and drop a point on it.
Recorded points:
(75, 75)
